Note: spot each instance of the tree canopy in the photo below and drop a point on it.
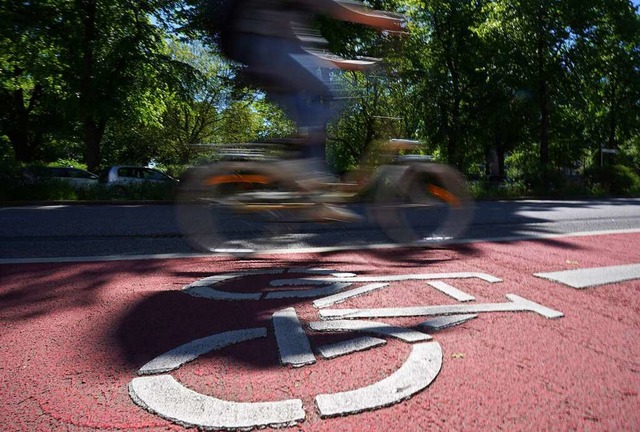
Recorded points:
(521, 87)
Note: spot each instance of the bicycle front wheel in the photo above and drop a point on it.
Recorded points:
(422, 204)
(237, 208)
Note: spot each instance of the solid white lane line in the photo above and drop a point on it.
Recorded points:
(308, 250)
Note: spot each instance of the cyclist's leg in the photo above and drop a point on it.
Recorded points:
(290, 76)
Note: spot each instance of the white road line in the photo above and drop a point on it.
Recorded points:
(594, 276)
(350, 346)
(420, 369)
(308, 250)
(453, 292)
(176, 357)
(444, 322)
(516, 304)
(293, 344)
(164, 396)
(379, 328)
(341, 297)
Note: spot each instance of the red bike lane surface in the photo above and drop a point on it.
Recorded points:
(74, 337)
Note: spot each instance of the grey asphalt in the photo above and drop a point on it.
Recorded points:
(77, 230)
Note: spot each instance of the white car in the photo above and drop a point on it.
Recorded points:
(125, 175)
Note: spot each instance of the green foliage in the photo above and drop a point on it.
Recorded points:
(542, 84)
(613, 179)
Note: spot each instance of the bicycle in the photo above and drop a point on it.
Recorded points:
(248, 200)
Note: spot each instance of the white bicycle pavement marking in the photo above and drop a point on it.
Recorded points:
(420, 369)
(176, 357)
(349, 346)
(594, 276)
(451, 291)
(516, 304)
(391, 278)
(205, 288)
(378, 328)
(293, 344)
(343, 296)
(164, 396)
(443, 322)
(307, 293)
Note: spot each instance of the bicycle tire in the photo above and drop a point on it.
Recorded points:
(219, 207)
(421, 204)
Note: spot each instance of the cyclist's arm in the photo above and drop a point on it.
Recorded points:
(354, 12)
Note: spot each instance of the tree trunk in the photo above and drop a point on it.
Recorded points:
(92, 132)
(18, 123)
(544, 105)
(613, 120)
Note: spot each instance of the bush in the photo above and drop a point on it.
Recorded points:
(506, 189)
(613, 179)
(142, 191)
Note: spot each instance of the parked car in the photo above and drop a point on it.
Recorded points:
(122, 175)
(76, 177)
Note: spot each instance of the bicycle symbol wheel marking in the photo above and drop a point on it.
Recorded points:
(161, 394)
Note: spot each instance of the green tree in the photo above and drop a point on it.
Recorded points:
(605, 77)
(31, 85)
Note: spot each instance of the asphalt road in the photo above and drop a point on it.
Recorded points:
(54, 231)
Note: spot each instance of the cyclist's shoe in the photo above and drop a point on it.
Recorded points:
(328, 212)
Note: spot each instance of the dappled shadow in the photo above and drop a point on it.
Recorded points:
(163, 321)
(547, 221)
(30, 291)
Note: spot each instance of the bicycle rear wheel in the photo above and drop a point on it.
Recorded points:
(422, 204)
(238, 208)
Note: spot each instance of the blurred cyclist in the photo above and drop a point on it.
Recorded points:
(268, 37)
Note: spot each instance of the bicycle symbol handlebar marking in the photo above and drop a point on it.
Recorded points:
(161, 394)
